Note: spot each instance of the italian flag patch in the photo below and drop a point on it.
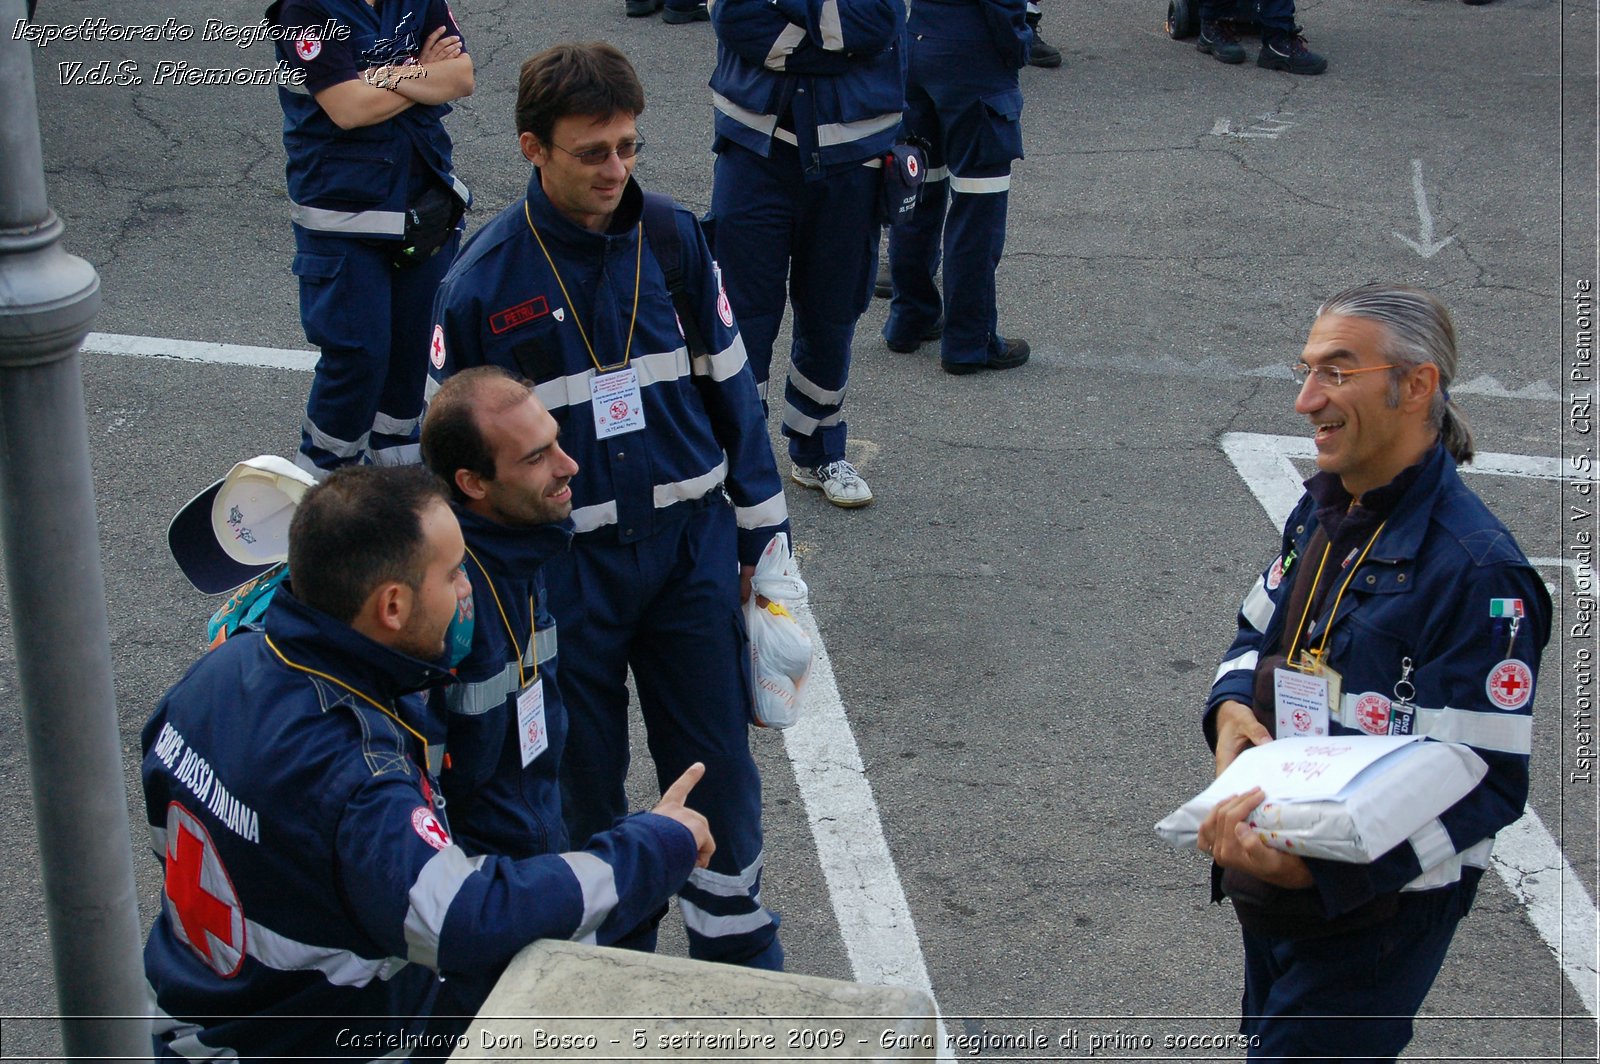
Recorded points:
(1505, 607)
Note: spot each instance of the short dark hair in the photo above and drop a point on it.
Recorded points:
(358, 529)
(591, 78)
(451, 437)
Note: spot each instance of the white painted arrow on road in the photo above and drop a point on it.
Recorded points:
(1427, 247)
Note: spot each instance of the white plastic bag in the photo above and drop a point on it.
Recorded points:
(780, 650)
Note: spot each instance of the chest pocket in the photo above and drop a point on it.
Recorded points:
(536, 350)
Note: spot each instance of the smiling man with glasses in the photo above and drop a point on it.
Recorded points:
(1405, 608)
(648, 382)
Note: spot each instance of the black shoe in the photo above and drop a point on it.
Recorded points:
(1288, 51)
(1045, 55)
(883, 288)
(1012, 354)
(674, 17)
(1475, 3)
(641, 8)
(1218, 39)
(905, 347)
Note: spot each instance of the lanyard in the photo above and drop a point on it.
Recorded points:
(379, 706)
(522, 681)
(577, 319)
(1311, 596)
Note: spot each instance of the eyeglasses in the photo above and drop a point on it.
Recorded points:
(597, 156)
(1329, 376)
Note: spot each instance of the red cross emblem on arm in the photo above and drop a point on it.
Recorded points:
(1510, 684)
(212, 925)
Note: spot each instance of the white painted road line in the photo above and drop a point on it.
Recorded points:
(193, 351)
(1525, 855)
(868, 900)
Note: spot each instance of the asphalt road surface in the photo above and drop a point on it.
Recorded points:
(1023, 627)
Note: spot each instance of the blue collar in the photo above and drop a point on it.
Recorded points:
(311, 639)
(514, 553)
(557, 228)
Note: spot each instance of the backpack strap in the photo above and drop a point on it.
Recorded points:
(661, 230)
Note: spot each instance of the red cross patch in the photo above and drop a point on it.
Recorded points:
(427, 825)
(1372, 713)
(308, 47)
(203, 906)
(436, 347)
(1510, 684)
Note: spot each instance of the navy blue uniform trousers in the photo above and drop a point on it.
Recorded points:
(668, 608)
(1352, 996)
(372, 321)
(1272, 14)
(963, 102)
(821, 236)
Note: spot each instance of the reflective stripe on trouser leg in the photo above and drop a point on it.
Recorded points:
(833, 253)
(691, 665)
(397, 424)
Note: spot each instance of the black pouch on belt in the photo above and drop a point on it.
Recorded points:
(429, 223)
(905, 167)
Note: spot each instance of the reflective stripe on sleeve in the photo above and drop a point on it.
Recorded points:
(724, 364)
(1506, 733)
(598, 883)
(478, 698)
(830, 26)
(1448, 871)
(773, 511)
(340, 967)
(1431, 843)
(778, 56)
(431, 896)
(1258, 607)
(1244, 661)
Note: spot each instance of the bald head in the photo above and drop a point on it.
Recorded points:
(491, 440)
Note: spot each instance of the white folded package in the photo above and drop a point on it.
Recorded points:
(780, 650)
(1344, 798)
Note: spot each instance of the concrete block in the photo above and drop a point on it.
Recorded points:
(562, 1001)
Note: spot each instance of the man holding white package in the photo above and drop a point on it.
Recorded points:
(1398, 605)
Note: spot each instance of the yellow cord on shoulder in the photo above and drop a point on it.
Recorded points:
(638, 272)
(522, 681)
(379, 706)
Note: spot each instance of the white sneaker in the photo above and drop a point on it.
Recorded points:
(839, 481)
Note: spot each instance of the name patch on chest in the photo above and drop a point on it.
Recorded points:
(519, 315)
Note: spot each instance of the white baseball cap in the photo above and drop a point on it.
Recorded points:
(238, 528)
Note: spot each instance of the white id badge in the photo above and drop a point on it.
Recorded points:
(1302, 701)
(618, 406)
(531, 735)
